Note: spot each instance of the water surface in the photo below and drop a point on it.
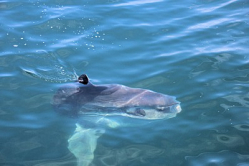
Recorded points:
(194, 50)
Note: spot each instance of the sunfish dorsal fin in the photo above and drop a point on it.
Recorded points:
(83, 79)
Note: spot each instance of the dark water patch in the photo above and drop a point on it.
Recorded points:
(244, 78)
(242, 127)
(230, 141)
(9, 5)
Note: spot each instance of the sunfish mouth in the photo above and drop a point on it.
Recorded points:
(176, 108)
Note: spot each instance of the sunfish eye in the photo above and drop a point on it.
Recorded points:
(160, 108)
(163, 109)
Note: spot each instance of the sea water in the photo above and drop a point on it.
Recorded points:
(194, 50)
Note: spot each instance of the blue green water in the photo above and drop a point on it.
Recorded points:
(194, 50)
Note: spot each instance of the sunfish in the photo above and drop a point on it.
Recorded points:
(85, 100)
(83, 97)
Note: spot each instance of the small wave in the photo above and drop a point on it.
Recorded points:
(34, 74)
(209, 24)
(138, 2)
(50, 68)
(221, 158)
(213, 8)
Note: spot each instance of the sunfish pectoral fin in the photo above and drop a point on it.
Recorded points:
(83, 143)
(110, 123)
(78, 128)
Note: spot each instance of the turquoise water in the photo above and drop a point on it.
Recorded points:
(194, 50)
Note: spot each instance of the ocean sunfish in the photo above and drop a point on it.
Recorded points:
(82, 97)
(85, 100)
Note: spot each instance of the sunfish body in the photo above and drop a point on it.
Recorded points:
(113, 99)
(85, 100)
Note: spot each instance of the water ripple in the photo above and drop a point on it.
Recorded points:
(137, 3)
(219, 158)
